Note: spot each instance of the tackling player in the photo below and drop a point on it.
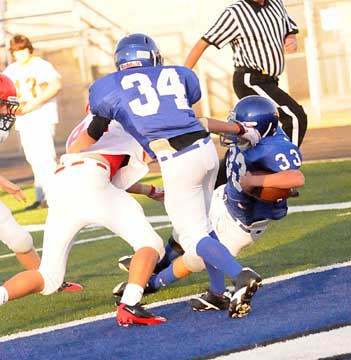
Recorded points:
(93, 184)
(238, 218)
(153, 103)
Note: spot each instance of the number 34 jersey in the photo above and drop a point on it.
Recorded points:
(273, 154)
(150, 102)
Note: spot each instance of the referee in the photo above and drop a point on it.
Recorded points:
(259, 32)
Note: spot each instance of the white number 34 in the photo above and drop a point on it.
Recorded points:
(168, 83)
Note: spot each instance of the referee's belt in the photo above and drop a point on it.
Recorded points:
(180, 144)
(244, 70)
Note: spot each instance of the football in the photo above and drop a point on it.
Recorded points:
(271, 194)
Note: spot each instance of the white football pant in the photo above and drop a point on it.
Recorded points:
(188, 180)
(80, 194)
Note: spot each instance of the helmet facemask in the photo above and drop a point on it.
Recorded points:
(229, 140)
(257, 111)
(7, 119)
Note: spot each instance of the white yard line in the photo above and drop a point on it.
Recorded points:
(319, 207)
(85, 241)
(347, 158)
(164, 218)
(160, 303)
(151, 219)
(315, 346)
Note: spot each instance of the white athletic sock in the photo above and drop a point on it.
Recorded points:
(132, 294)
(4, 295)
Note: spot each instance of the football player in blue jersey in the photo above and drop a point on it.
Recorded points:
(153, 103)
(238, 218)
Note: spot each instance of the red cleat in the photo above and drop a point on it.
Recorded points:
(127, 314)
(70, 287)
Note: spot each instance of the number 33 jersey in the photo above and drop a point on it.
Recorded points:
(150, 102)
(273, 154)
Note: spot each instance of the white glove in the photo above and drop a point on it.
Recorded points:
(251, 134)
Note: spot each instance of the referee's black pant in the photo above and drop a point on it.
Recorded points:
(292, 116)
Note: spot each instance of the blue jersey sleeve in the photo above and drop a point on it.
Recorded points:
(275, 154)
(102, 98)
(192, 86)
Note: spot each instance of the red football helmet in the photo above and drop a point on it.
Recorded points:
(7, 98)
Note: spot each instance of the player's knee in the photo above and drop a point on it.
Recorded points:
(189, 239)
(22, 242)
(236, 246)
(159, 247)
(52, 282)
(193, 262)
(154, 242)
(14, 236)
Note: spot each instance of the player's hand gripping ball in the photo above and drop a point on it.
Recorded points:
(270, 194)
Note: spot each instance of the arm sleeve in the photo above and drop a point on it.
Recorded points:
(224, 30)
(101, 100)
(98, 126)
(193, 87)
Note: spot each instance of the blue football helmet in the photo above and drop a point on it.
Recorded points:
(256, 109)
(137, 50)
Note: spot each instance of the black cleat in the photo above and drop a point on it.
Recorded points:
(33, 206)
(246, 284)
(37, 205)
(124, 262)
(118, 290)
(127, 314)
(210, 301)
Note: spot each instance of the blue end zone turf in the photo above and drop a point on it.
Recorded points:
(286, 309)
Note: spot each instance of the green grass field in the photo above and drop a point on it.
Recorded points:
(300, 241)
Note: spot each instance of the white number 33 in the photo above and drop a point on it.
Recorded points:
(285, 164)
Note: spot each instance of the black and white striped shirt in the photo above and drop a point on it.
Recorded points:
(256, 34)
